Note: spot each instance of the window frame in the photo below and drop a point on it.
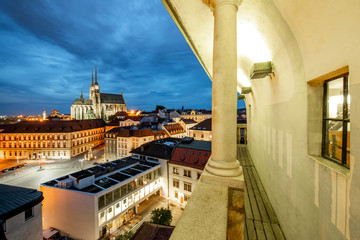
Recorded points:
(32, 213)
(345, 119)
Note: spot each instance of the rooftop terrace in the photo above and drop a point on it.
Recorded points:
(105, 175)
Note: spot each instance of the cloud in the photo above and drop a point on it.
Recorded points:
(48, 48)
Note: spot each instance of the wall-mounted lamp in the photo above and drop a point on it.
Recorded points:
(262, 69)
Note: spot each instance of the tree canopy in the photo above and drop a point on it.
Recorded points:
(161, 216)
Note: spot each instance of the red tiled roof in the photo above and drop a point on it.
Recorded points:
(122, 132)
(190, 157)
(174, 128)
(160, 134)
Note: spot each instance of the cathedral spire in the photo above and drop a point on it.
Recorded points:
(92, 76)
(81, 96)
(96, 83)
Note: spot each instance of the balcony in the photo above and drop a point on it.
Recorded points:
(219, 211)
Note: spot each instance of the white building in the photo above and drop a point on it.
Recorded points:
(201, 131)
(185, 168)
(20, 213)
(159, 151)
(95, 202)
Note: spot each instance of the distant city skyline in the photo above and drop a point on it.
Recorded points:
(48, 49)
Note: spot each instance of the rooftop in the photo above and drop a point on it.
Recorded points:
(15, 200)
(106, 175)
(193, 154)
(161, 148)
(54, 126)
(152, 231)
(204, 125)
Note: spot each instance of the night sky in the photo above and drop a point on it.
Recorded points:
(48, 48)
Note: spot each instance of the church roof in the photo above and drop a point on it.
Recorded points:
(112, 98)
(79, 101)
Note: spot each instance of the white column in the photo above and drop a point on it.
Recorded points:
(223, 160)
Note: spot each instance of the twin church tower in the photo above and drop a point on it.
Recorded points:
(99, 105)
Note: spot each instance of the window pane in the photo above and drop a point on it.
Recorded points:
(335, 98)
(333, 139)
(348, 145)
(348, 99)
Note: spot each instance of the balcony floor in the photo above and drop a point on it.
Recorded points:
(260, 219)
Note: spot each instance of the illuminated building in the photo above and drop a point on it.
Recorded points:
(196, 116)
(174, 130)
(185, 168)
(95, 202)
(201, 131)
(99, 105)
(120, 141)
(50, 139)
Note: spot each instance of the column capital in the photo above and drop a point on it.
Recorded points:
(216, 3)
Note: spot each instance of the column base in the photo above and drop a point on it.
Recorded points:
(224, 169)
(234, 182)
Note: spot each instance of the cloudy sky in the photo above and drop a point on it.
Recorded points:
(48, 48)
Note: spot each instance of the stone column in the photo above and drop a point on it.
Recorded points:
(223, 160)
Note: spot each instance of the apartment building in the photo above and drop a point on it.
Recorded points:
(175, 130)
(158, 151)
(95, 202)
(50, 139)
(201, 131)
(185, 168)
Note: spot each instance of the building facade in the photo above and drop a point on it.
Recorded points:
(50, 139)
(175, 130)
(196, 116)
(185, 168)
(99, 105)
(102, 198)
(20, 213)
(201, 131)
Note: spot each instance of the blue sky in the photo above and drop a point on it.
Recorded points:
(48, 48)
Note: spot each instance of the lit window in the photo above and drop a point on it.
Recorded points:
(336, 120)
(176, 195)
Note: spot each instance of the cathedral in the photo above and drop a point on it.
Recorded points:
(99, 105)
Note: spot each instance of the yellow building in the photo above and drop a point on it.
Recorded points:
(50, 139)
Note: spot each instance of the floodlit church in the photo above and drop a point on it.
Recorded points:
(99, 105)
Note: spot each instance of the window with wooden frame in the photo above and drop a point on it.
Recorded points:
(336, 120)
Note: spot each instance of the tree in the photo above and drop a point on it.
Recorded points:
(161, 216)
(126, 236)
(159, 107)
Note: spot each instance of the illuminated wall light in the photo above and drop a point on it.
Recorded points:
(251, 44)
(243, 80)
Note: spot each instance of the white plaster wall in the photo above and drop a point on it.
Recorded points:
(311, 200)
(70, 211)
(18, 228)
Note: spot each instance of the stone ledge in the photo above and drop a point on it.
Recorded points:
(206, 215)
